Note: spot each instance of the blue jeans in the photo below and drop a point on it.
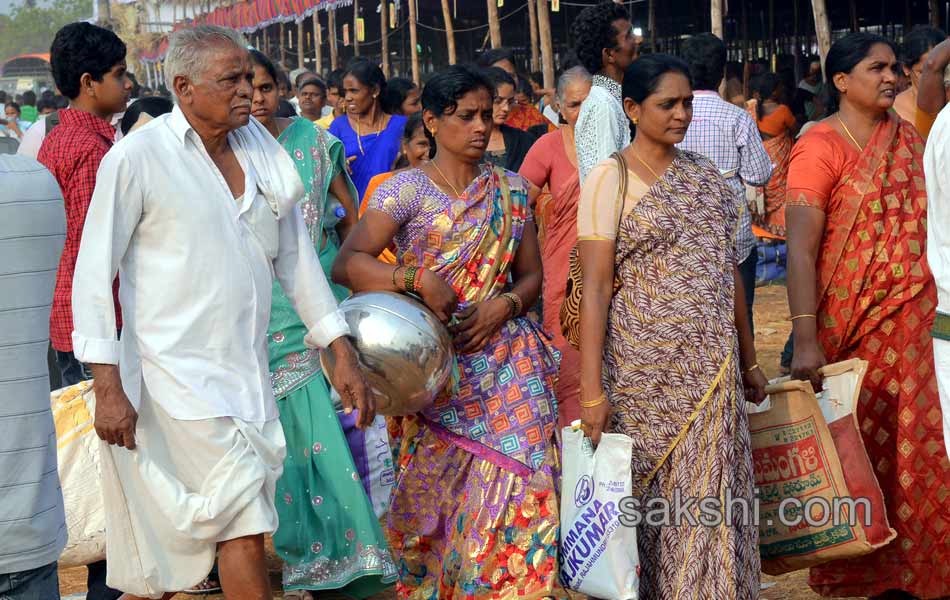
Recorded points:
(71, 370)
(41, 583)
(747, 274)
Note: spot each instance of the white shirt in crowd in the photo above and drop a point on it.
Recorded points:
(196, 269)
(32, 232)
(937, 175)
(33, 138)
(602, 126)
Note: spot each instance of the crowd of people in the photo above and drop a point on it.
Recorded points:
(591, 249)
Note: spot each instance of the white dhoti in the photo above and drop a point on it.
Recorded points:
(187, 486)
(942, 364)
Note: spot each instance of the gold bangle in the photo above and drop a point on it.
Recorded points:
(517, 304)
(409, 278)
(752, 368)
(602, 399)
(805, 316)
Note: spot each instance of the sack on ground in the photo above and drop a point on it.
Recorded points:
(598, 554)
(809, 459)
(77, 453)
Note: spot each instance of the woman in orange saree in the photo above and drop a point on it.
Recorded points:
(859, 286)
(777, 126)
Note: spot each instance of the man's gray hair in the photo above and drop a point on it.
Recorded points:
(568, 77)
(186, 50)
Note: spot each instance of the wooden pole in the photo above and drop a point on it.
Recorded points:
(449, 30)
(854, 15)
(300, 48)
(651, 24)
(935, 13)
(533, 26)
(334, 53)
(494, 25)
(822, 29)
(282, 43)
(318, 42)
(384, 31)
(414, 42)
(356, 37)
(547, 48)
(715, 15)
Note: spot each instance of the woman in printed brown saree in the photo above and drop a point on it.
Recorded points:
(674, 341)
(859, 286)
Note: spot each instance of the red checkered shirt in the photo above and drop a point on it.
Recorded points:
(72, 152)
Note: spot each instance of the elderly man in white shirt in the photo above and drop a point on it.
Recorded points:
(198, 213)
(937, 171)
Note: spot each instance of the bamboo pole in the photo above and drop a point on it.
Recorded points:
(300, 48)
(414, 41)
(334, 53)
(356, 37)
(449, 30)
(494, 25)
(715, 15)
(547, 47)
(384, 31)
(281, 42)
(533, 26)
(651, 24)
(822, 29)
(318, 42)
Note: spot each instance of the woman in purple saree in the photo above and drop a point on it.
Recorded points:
(475, 510)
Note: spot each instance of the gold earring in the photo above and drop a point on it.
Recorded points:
(636, 121)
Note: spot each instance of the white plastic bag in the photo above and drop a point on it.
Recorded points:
(77, 453)
(598, 554)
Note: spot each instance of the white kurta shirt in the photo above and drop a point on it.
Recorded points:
(196, 268)
(937, 172)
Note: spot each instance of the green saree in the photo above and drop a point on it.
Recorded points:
(328, 537)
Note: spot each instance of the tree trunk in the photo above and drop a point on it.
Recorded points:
(533, 26)
(715, 15)
(334, 53)
(317, 42)
(854, 15)
(414, 41)
(449, 30)
(547, 48)
(300, 48)
(935, 13)
(822, 29)
(494, 25)
(384, 32)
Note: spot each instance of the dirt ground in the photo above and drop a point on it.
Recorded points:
(772, 328)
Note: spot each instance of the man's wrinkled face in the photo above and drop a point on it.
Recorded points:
(221, 96)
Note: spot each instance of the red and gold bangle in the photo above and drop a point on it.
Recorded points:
(417, 281)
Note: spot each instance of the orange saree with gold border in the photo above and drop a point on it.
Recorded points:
(877, 299)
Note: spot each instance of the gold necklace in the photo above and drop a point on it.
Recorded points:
(650, 169)
(446, 179)
(848, 131)
(359, 134)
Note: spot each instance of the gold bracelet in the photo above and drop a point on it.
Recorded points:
(595, 403)
(752, 368)
(409, 279)
(518, 305)
(805, 316)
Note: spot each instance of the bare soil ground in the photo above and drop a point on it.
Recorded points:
(772, 329)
